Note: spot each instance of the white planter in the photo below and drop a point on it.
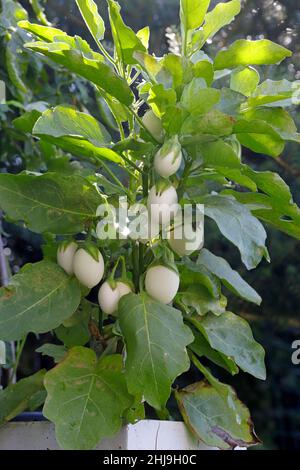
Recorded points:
(145, 435)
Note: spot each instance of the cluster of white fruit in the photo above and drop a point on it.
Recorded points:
(89, 270)
(161, 281)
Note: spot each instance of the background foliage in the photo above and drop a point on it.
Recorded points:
(275, 404)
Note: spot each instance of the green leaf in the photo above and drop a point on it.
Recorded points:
(197, 99)
(16, 65)
(238, 225)
(77, 132)
(214, 414)
(274, 204)
(38, 299)
(204, 69)
(259, 136)
(199, 299)
(192, 13)
(90, 14)
(230, 278)
(231, 102)
(279, 119)
(144, 36)
(219, 154)
(231, 335)
(49, 203)
(45, 33)
(246, 52)
(16, 397)
(273, 93)
(214, 123)
(156, 341)
(75, 55)
(126, 41)
(57, 352)
(193, 273)
(222, 15)
(244, 80)
(26, 121)
(74, 335)
(202, 348)
(160, 99)
(66, 121)
(86, 398)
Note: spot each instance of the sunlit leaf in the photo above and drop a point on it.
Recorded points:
(246, 52)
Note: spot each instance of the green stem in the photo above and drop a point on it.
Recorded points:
(20, 348)
(131, 163)
(135, 265)
(197, 363)
(105, 53)
(141, 258)
(185, 175)
(135, 77)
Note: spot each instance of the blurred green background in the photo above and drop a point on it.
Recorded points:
(275, 404)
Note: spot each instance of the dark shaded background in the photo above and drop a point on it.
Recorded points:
(275, 404)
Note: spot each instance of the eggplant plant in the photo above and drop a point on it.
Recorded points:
(133, 313)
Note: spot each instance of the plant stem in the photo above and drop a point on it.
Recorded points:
(135, 265)
(185, 175)
(131, 163)
(20, 348)
(105, 53)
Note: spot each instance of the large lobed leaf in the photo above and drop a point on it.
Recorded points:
(50, 202)
(38, 299)
(86, 398)
(156, 341)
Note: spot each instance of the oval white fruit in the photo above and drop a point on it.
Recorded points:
(123, 288)
(163, 206)
(167, 165)
(154, 125)
(108, 298)
(183, 245)
(65, 257)
(88, 271)
(162, 283)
